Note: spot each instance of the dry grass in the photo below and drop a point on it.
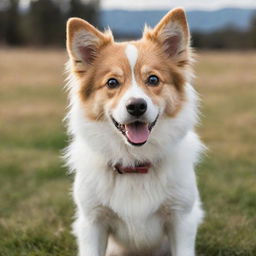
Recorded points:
(36, 209)
(227, 84)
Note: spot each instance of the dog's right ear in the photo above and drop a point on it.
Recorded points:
(172, 34)
(84, 41)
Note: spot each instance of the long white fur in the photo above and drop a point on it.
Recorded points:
(153, 213)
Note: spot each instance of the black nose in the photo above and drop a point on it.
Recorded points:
(136, 106)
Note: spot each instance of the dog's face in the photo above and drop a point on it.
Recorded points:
(131, 85)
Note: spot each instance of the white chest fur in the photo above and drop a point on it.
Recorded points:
(137, 232)
(131, 205)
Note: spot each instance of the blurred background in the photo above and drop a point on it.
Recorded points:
(35, 203)
(214, 24)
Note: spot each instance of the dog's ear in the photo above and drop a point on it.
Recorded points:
(172, 34)
(84, 41)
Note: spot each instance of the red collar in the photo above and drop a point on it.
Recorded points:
(138, 168)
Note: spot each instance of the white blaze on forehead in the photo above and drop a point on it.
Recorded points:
(132, 55)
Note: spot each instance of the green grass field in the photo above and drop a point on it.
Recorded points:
(36, 209)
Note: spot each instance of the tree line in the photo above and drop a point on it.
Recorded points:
(227, 38)
(42, 23)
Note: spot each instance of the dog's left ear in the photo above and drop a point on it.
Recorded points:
(173, 35)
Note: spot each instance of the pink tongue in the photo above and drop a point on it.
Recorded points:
(137, 132)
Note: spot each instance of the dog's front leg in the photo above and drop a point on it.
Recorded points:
(183, 230)
(91, 236)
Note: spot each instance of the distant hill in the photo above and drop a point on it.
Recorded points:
(131, 23)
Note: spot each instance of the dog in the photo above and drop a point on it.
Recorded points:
(133, 147)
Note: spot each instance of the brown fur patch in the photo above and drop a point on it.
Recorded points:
(111, 63)
(153, 61)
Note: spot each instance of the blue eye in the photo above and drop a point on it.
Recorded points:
(112, 83)
(153, 80)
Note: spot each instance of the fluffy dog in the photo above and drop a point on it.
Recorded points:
(133, 148)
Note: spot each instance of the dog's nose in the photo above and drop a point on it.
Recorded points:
(136, 106)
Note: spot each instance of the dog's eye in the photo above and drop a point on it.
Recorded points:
(153, 80)
(112, 83)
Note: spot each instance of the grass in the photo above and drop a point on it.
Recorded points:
(36, 207)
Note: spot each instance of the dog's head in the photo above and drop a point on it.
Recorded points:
(131, 85)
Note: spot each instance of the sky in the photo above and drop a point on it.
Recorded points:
(168, 4)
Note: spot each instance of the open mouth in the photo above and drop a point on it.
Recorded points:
(136, 133)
